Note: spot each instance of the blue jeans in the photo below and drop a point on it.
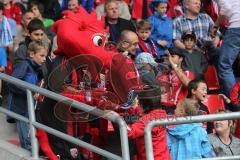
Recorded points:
(228, 54)
(24, 136)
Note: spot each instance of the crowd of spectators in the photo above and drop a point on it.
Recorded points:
(171, 42)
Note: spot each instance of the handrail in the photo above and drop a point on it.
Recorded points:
(181, 120)
(62, 135)
(221, 158)
(75, 104)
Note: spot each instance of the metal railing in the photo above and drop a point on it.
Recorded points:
(81, 106)
(222, 158)
(183, 120)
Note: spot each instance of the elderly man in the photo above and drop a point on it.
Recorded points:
(128, 43)
(113, 20)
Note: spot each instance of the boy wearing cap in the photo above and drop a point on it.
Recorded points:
(194, 60)
(147, 68)
(162, 31)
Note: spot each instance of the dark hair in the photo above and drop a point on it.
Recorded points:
(156, 4)
(1, 6)
(34, 25)
(143, 25)
(193, 84)
(177, 51)
(39, 5)
(149, 98)
(26, 11)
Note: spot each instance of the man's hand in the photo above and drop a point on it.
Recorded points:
(213, 31)
(225, 98)
(74, 152)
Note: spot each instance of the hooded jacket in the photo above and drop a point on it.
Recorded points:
(28, 71)
(188, 141)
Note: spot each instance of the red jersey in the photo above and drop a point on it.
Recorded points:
(174, 88)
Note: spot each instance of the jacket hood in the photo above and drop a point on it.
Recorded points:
(183, 130)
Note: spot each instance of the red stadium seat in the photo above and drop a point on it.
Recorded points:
(214, 102)
(211, 78)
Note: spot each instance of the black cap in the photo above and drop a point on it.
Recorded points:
(177, 51)
(189, 34)
(149, 92)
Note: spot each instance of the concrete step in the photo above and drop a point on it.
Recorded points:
(8, 131)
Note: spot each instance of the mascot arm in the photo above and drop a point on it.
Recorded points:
(44, 144)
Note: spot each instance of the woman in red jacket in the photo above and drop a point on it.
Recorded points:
(149, 100)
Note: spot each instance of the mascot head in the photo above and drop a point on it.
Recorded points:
(79, 34)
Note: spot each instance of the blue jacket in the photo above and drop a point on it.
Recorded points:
(161, 30)
(28, 71)
(188, 141)
(87, 4)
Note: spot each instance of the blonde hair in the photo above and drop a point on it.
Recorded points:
(191, 106)
(35, 46)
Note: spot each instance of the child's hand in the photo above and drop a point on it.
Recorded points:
(225, 98)
(162, 43)
(164, 98)
(174, 66)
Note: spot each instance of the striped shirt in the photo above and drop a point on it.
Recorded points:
(5, 33)
(201, 26)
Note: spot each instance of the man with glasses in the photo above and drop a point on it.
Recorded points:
(128, 43)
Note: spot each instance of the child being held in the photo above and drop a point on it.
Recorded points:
(149, 100)
(188, 141)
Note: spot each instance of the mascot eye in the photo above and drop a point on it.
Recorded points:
(97, 40)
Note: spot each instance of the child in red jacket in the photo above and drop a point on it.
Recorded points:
(149, 100)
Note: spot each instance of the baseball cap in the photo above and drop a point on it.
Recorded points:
(189, 34)
(150, 92)
(145, 57)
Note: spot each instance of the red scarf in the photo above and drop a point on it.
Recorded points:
(143, 46)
